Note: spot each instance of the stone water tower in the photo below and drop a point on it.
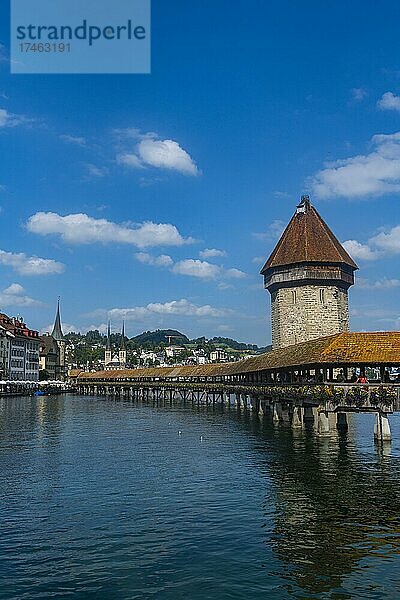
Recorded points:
(308, 276)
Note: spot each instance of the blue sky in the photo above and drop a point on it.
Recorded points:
(159, 196)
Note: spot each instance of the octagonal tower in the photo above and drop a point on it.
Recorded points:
(308, 276)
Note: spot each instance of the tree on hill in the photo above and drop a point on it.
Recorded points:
(161, 336)
(228, 342)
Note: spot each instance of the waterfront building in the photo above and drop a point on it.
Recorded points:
(21, 350)
(49, 356)
(5, 345)
(308, 276)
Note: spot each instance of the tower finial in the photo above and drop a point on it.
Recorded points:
(305, 201)
(305, 204)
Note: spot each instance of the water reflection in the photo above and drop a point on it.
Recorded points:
(103, 499)
(333, 507)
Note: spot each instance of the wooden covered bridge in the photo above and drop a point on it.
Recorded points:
(313, 380)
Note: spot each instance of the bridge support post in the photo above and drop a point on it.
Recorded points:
(297, 418)
(259, 408)
(325, 424)
(309, 415)
(275, 413)
(341, 422)
(382, 428)
(254, 402)
(285, 414)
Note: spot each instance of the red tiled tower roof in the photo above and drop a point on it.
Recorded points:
(307, 239)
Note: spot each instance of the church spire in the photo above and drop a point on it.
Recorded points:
(57, 329)
(108, 345)
(123, 345)
(122, 348)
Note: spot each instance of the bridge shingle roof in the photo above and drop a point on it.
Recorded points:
(341, 349)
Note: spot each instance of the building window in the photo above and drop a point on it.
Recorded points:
(294, 296)
(322, 296)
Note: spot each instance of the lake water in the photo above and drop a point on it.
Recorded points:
(113, 500)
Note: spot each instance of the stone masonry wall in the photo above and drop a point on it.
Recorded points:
(307, 312)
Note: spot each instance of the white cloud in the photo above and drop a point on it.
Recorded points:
(95, 171)
(166, 154)
(225, 328)
(150, 151)
(363, 175)
(388, 241)
(30, 265)
(211, 253)
(130, 160)
(197, 268)
(389, 101)
(181, 307)
(380, 284)
(157, 261)
(281, 194)
(273, 233)
(358, 94)
(82, 229)
(223, 285)
(8, 119)
(74, 139)
(385, 243)
(360, 251)
(235, 274)
(15, 295)
(190, 266)
(258, 260)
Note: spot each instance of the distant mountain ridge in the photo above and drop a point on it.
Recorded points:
(175, 337)
(166, 337)
(161, 336)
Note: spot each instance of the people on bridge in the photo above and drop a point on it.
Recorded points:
(340, 376)
(386, 376)
(353, 377)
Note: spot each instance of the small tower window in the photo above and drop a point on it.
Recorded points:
(294, 297)
(322, 296)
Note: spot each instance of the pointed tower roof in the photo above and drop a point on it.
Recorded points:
(123, 345)
(108, 345)
(57, 329)
(307, 239)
